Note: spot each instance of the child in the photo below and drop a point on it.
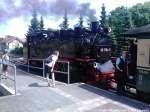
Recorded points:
(49, 67)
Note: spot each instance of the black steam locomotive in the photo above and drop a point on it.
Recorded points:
(72, 43)
(79, 46)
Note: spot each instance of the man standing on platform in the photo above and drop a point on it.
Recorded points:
(121, 65)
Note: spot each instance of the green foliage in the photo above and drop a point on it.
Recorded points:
(122, 19)
(103, 17)
(35, 25)
(140, 14)
(41, 24)
(17, 51)
(119, 20)
(65, 24)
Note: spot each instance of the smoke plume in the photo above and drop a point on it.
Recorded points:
(24, 8)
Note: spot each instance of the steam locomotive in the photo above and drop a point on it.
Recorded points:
(80, 46)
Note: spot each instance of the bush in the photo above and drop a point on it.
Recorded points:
(17, 51)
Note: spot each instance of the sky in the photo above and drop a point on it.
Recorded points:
(15, 15)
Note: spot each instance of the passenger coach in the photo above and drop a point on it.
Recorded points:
(142, 34)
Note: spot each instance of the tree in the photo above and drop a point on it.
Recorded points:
(122, 19)
(34, 24)
(34, 27)
(119, 20)
(81, 21)
(65, 24)
(17, 51)
(103, 17)
(140, 14)
(41, 24)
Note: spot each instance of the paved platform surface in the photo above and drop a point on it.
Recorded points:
(35, 96)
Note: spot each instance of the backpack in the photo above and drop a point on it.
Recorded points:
(48, 59)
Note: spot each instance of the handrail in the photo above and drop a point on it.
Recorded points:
(43, 68)
(68, 70)
(12, 79)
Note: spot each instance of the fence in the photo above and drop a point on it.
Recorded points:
(8, 77)
(27, 64)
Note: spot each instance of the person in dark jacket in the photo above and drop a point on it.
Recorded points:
(133, 57)
(121, 66)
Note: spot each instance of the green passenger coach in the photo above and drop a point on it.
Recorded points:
(142, 34)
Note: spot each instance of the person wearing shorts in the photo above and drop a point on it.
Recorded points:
(5, 60)
(49, 68)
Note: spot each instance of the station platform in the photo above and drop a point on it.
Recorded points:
(33, 95)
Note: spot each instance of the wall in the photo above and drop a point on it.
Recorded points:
(143, 55)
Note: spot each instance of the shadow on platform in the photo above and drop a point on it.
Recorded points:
(37, 85)
(115, 97)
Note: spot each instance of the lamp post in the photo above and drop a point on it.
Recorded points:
(28, 46)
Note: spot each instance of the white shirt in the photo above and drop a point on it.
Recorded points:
(54, 59)
(106, 67)
(5, 59)
(119, 60)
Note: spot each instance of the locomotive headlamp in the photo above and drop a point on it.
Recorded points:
(109, 29)
(95, 65)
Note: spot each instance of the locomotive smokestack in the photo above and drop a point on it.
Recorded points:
(94, 26)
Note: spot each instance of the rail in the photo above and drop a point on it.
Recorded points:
(27, 64)
(10, 78)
